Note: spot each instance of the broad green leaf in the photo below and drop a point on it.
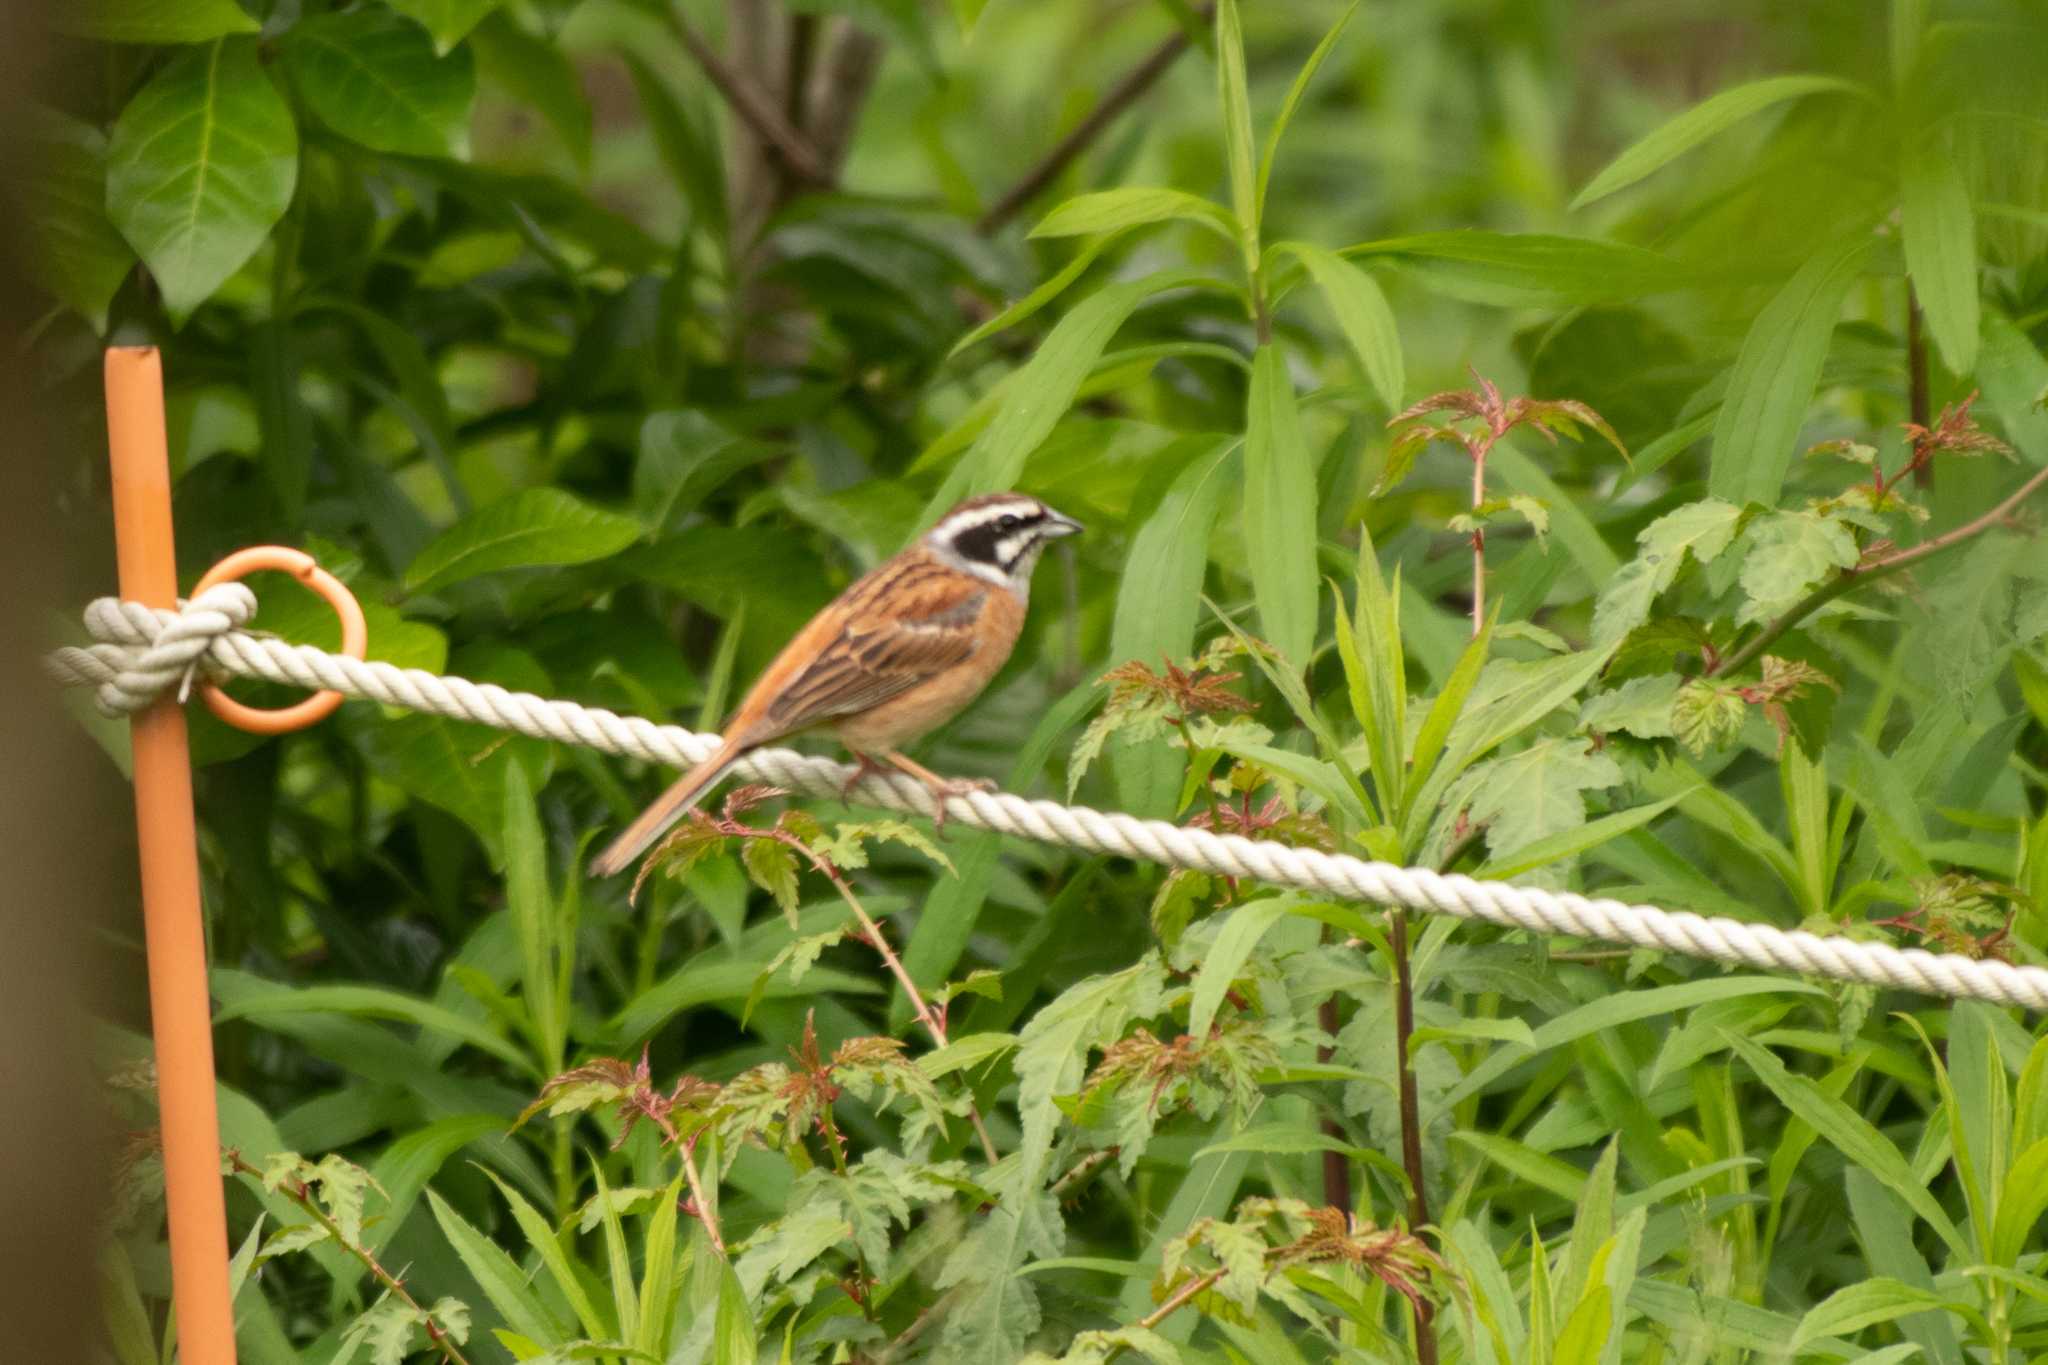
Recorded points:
(1585, 1332)
(1700, 530)
(1855, 1307)
(537, 71)
(1775, 374)
(1158, 601)
(376, 1002)
(153, 21)
(123, 1315)
(448, 20)
(689, 146)
(1534, 796)
(1114, 211)
(1884, 1229)
(534, 916)
(963, 1053)
(200, 167)
(77, 254)
(1362, 314)
(535, 527)
(1704, 120)
(2022, 1200)
(1525, 694)
(1939, 233)
(1234, 943)
(725, 982)
(1528, 270)
(1787, 555)
(1851, 1134)
(1271, 151)
(659, 1282)
(373, 76)
(2015, 375)
(1280, 511)
(1045, 387)
(1235, 102)
(733, 1330)
(503, 1282)
(403, 1169)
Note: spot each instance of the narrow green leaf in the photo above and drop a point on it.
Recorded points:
(2022, 1200)
(1448, 707)
(1704, 120)
(1237, 129)
(1850, 1133)
(1585, 1332)
(503, 1282)
(732, 1337)
(541, 1237)
(1939, 233)
(373, 77)
(200, 167)
(660, 1286)
(1775, 373)
(1054, 285)
(1158, 602)
(1528, 270)
(1857, 1306)
(1234, 944)
(1280, 511)
(534, 527)
(1531, 1167)
(152, 21)
(1117, 210)
(1271, 152)
(1572, 842)
(1362, 314)
(375, 1002)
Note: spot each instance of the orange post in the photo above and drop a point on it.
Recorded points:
(167, 844)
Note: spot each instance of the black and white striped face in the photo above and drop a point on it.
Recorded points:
(999, 537)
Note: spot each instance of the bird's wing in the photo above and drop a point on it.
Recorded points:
(895, 631)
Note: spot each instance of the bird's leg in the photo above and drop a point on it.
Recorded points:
(866, 766)
(939, 787)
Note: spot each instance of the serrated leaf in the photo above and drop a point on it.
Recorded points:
(1787, 555)
(1776, 372)
(503, 1282)
(1362, 314)
(1640, 707)
(534, 527)
(1280, 511)
(200, 167)
(1704, 120)
(373, 76)
(772, 867)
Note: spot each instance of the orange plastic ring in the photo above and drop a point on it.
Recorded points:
(355, 636)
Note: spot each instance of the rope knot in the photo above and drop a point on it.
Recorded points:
(141, 652)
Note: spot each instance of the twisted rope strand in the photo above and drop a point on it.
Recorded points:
(141, 653)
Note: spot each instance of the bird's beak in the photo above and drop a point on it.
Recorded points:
(1059, 525)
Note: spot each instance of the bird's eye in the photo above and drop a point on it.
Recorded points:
(1009, 521)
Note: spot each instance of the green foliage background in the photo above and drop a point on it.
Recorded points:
(503, 313)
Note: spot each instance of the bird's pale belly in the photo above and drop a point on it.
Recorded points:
(914, 714)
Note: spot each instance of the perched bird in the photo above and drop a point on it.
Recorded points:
(892, 658)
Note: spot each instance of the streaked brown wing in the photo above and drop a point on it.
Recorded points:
(899, 630)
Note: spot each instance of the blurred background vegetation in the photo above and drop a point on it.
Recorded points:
(596, 343)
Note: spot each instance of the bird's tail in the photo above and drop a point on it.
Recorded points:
(670, 807)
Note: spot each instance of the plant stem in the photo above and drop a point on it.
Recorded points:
(1336, 1166)
(1411, 1117)
(1126, 92)
(1178, 1298)
(752, 107)
(688, 1150)
(873, 933)
(1479, 538)
(1878, 568)
(1918, 406)
(297, 1193)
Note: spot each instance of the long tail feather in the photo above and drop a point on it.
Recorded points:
(671, 806)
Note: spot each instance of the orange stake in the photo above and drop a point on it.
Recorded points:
(167, 844)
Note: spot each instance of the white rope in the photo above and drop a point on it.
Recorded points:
(142, 652)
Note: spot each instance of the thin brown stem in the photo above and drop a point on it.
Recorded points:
(1078, 1174)
(393, 1285)
(1121, 96)
(1918, 405)
(1336, 1165)
(1411, 1117)
(753, 107)
(1178, 1299)
(1849, 579)
(699, 1205)
(1479, 539)
(873, 933)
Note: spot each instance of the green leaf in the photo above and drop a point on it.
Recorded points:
(1788, 554)
(1158, 601)
(534, 527)
(503, 1282)
(1362, 314)
(200, 167)
(772, 867)
(1939, 233)
(1571, 842)
(375, 1002)
(448, 20)
(1585, 1332)
(1705, 120)
(373, 77)
(732, 1334)
(1118, 210)
(1640, 707)
(1449, 705)
(1857, 1306)
(1235, 102)
(1053, 286)
(1699, 529)
(1851, 1134)
(1284, 1139)
(153, 21)
(538, 72)
(1280, 511)
(1776, 373)
(1271, 152)
(541, 1237)
(1528, 270)
(78, 256)
(1532, 801)
(1042, 391)
(1241, 932)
